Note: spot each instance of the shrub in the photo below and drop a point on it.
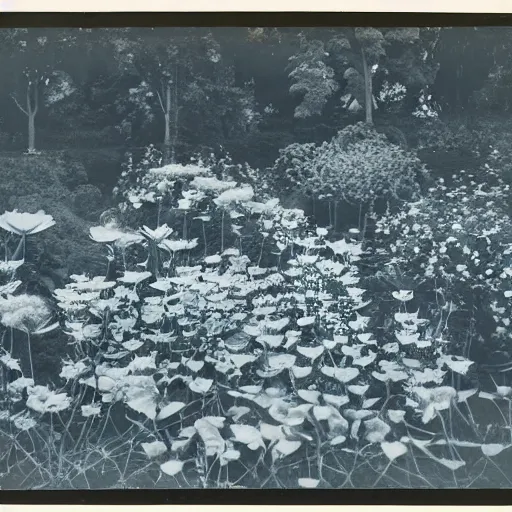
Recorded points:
(359, 165)
(49, 182)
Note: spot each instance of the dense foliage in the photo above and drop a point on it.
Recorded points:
(358, 165)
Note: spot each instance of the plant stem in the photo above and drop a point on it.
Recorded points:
(222, 233)
(18, 249)
(205, 242)
(30, 356)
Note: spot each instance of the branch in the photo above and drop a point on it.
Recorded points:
(18, 105)
(160, 100)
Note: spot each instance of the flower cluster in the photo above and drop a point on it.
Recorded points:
(392, 93)
(454, 245)
(426, 109)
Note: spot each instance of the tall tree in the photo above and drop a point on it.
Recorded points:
(185, 81)
(218, 105)
(161, 59)
(350, 56)
(312, 78)
(36, 79)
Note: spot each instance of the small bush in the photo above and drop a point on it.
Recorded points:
(359, 165)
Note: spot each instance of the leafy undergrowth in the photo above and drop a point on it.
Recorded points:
(59, 185)
(40, 458)
(233, 345)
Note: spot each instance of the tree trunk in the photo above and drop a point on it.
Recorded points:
(31, 132)
(167, 139)
(368, 93)
(32, 116)
(176, 116)
(32, 106)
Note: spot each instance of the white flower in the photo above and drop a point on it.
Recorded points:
(71, 370)
(157, 234)
(134, 277)
(212, 260)
(248, 435)
(184, 204)
(10, 266)
(42, 400)
(154, 449)
(235, 195)
(396, 415)
(308, 483)
(376, 430)
(457, 364)
(409, 320)
(26, 223)
(91, 410)
(490, 450)
(109, 234)
(176, 171)
(172, 467)
(9, 288)
(105, 234)
(24, 312)
(211, 184)
(341, 247)
(360, 323)
(23, 421)
(434, 399)
(178, 245)
(17, 386)
(393, 450)
(97, 283)
(403, 295)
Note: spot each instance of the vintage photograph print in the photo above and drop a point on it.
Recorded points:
(239, 257)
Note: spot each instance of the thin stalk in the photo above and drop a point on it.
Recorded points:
(261, 251)
(21, 245)
(159, 211)
(222, 233)
(205, 242)
(3, 379)
(30, 356)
